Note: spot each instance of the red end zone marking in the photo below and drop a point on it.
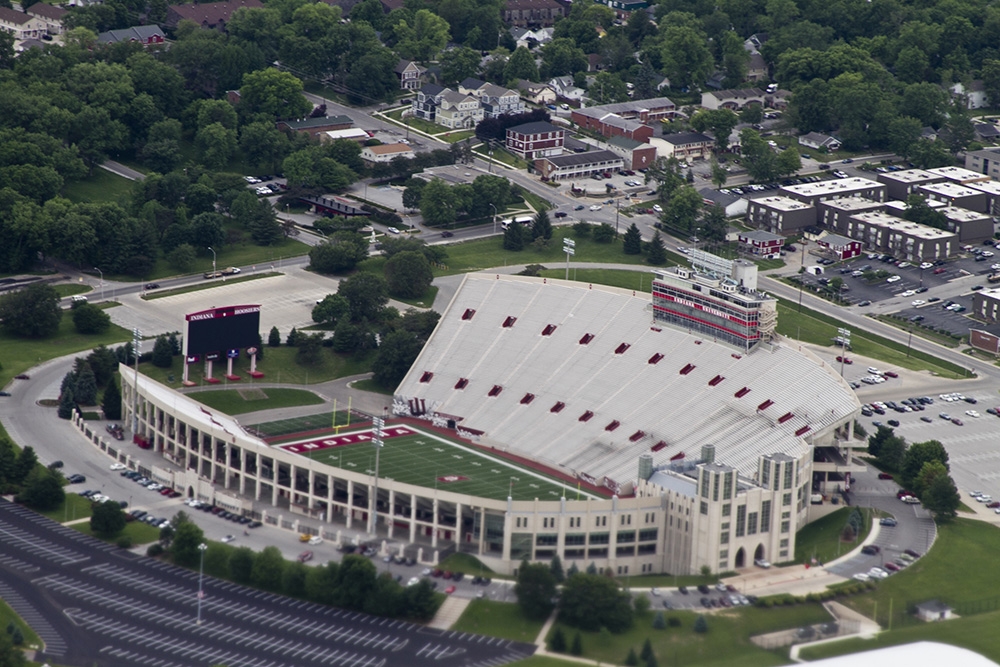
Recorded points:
(348, 439)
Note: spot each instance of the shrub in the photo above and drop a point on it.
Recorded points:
(558, 641)
(124, 542)
(674, 622)
(155, 549)
(700, 624)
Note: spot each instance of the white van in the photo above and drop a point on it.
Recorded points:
(79, 298)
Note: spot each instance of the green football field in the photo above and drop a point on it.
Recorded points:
(431, 461)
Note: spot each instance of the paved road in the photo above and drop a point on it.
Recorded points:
(97, 604)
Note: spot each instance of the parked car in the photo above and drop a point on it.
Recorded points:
(884, 475)
(887, 521)
(305, 556)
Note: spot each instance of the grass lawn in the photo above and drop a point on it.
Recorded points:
(416, 123)
(100, 186)
(425, 301)
(320, 420)
(487, 253)
(470, 565)
(501, 155)
(963, 546)
(455, 137)
(498, 619)
(246, 254)
(73, 507)
(278, 365)
(371, 385)
(536, 202)
(821, 539)
(17, 355)
(141, 533)
(69, 289)
(813, 327)
(977, 633)
(161, 294)
(7, 616)
(251, 399)
(726, 643)
(543, 661)
(641, 281)
(433, 461)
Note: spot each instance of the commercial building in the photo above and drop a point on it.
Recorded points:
(386, 152)
(814, 193)
(780, 215)
(986, 305)
(578, 165)
(534, 140)
(688, 145)
(316, 127)
(901, 238)
(635, 154)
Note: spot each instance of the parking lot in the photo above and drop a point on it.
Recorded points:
(102, 605)
(921, 294)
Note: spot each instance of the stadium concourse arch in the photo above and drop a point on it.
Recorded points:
(708, 456)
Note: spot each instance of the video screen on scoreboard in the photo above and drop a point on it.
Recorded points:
(222, 329)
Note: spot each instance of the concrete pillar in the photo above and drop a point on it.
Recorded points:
(390, 521)
(435, 526)
(482, 529)
(350, 503)
(413, 518)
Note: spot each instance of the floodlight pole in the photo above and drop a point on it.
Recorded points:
(102, 282)
(377, 425)
(201, 576)
(136, 338)
(214, 270)
(494, 218)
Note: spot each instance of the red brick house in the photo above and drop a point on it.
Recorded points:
(211, 15)
(840, 246)
(533, 140)
(532, 12)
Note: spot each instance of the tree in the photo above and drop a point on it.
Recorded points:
(608, 88)
(366, 294)
(268, 568)
(458, 64)
(942, 497)
(657, 250)
(408, 274)
(557, 569)
(659, 621)
(184, 546)
(107, 519)
(217, 145)
(520, 65)
(592, 601)
(685, 56)
(310, 349)
(339, 254)
(604, 233)
(647, 650)
(700, 624)
(714, 226)
(26, 462)
(758, 158)
(66, 404)
(241, 565)
(787, 162)
(32, 312)
(263, 144)
(876, 440)
(558, 642)
(398, 351)
(354, 582)
(577, 647)
(541, 227)
(438, 204)
(991, 80)
(917, 455)
(425, 39)
(891, 453)
(85, 392)
(43, 490)
(513, 237)
(273, 337)
(632, 659)
(535, 590)
(330, 310)
(111, 404)
(719, 175)
(720, 122)
(632, 241)
(274, 93)
(561, 57)
(163, 354)
(682, 209)
(89, 319)
(182, 257)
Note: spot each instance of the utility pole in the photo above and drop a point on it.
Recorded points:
(136, 338)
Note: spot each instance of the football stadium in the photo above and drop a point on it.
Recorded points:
(642, 433)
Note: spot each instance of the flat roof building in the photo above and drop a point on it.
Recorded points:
(992, 191)
(813, 193)
(985, 161)
(901, 184)
(780, 215)
(835, 214)
(902, 238)
(954, 194)
(971, 227)
(959, 175)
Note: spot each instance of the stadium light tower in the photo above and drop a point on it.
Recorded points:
(378, 423)
(201, 576)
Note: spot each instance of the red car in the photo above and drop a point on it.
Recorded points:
(884, 475)
(846, 360)
(22, 376)
(305, 556)
(890, 374)
(939, 270)
(449, 590)
(892, 567)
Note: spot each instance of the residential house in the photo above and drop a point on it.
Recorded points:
(409, 73)
(332, 206)
(214, 15)
(611, 125)
(425, 104)
(623, 8)
(986, 132)
(840, 247)
(496, 101)
(21, 25)
(757, 68)
(818, 141)
(316, 127)
(644, 111)
(534, 140)
(733, 205)
(536, 93)
(688, 145)
(565, 88)
(761, 244)
(933, 610)
(386, 152)
(734, 99)
(51, 15)
(144, 34)
(457, 111)
(470, 85)
(533, 13)
(531, 38)
(635, 154)
(974, 95)
(577, 165)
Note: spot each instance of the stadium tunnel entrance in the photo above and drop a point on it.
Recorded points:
(741, 558)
